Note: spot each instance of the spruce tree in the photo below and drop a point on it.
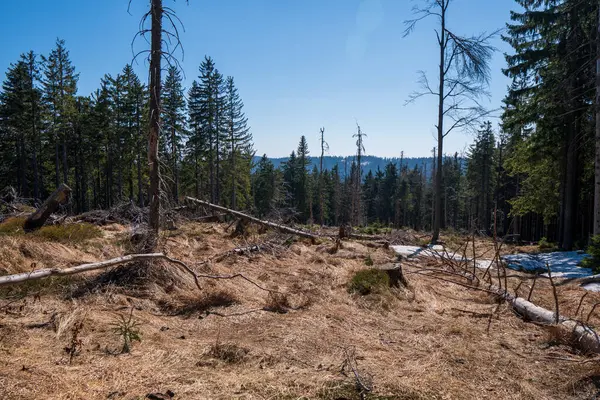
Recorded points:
(239, 143)
(59, 90)
(173, 126)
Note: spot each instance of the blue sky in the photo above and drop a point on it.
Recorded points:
(299, 64)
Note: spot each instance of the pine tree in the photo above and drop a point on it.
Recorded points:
(173, 128)
(549, 110)
(239, 143)
(20, 118)
(60, 88)
(481, 176)
(265, 187)
(302, 190)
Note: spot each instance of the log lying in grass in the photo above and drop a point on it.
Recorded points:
(582, 335)
(37, 219)
(278, 227)
(45, 273)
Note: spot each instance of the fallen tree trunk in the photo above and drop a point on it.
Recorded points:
(359, 236)
(581, 335)
(37, 219)
(45, 273)
(281, 228)
(584, 336)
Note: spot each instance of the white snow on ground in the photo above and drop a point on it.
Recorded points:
(416, 251)
(592, 286)
(563, 264)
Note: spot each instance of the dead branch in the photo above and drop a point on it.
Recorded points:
(553, 293)
(45, 273)
(281, 228)
(580, 303)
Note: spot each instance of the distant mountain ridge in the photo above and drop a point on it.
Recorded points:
(369, 163)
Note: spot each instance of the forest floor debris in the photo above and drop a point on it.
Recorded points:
(424, 342)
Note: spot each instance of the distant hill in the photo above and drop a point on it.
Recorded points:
(369, 163)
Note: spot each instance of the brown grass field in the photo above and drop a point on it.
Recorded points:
(432, 340)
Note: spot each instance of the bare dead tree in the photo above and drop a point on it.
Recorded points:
(596, 223)
(356, 194)
(324, 148)
(463, 79)
(163, 44)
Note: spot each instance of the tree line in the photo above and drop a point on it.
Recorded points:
(537, 175)
(97, 144)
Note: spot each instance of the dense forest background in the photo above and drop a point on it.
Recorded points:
(532, 176)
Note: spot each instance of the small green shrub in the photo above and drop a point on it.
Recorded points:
(128, 330)
(12, 226)
(593, 261)
(546, 245)
(368, 261)
(423, 242)
(368, 281)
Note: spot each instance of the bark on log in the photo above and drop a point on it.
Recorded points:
(44, 273)
(37, 219)
(358, 236)
(584, 336)
(281, 228)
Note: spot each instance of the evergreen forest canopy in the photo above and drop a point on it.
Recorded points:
(533, 177)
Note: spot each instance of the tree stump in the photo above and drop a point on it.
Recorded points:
(345, 231)
(37, 219)
(395, 275)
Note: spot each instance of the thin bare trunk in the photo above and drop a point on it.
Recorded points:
(597, 172)
(155, 88)
(440, 130)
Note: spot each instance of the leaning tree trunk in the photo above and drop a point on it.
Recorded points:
(37, 219)
(155, 87)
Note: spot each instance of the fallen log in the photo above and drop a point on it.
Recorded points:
(38, 218)
(359, 236)
(281, 228)
(584, 336)
(45, 273)
(237, 251)
(580, 334)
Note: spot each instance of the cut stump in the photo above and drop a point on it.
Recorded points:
(395, 275)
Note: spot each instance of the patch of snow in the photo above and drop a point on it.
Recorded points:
(432, 251)
(563, 264)
(592, 286)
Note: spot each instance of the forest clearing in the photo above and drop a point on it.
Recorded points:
(430, 339)
(151, 249)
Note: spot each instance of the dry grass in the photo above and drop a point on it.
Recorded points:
(62, 233)
(432, 344)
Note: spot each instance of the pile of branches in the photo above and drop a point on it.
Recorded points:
(11, 205)
(122, 213)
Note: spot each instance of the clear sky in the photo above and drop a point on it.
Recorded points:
(299, 64)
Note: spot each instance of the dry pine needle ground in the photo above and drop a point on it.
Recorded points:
(428, 342)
